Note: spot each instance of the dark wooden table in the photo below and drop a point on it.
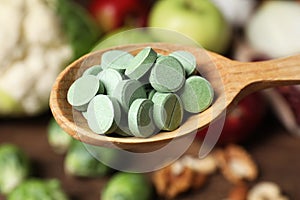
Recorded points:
(276, 152)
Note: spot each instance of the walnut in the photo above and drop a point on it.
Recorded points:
(266, 191)
(236, 164)
(178, 178)
(207, 165)
(198, 180)
(238, 192)
(169, 184)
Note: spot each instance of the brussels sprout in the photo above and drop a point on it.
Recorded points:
(127, 186)
(80, 162)
(58, 139)
(38, 189)
(14, 167)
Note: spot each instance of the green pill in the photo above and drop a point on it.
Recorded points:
(141, 63)
(116, 59)
(85, 115)
(83, 90)
(140, 118)
(187, 60)
(151, 94)
(197, 94)
(167, 75)
(94, 70)
(123, 128)
(123, 131)
(104, 113)
(110, 79)
(127, 91)
(167, 111)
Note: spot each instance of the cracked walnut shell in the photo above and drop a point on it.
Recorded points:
(177, 178)
(236, 164)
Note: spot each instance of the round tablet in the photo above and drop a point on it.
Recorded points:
(187, 60)
(141, 63)
(84, 114)
(83, 90)
(140, 119)
(197, 94)
(123, 131)
(103, 114)
(94, 70)
(151, 94)
(167, 75)
(167, 111)
(123, 128)
(127, 91)
(116, 59)
(110, 79)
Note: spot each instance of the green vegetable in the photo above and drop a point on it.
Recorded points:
(14, 167)
(38, 189)
(81, 30)
(8, 104)
(58, 139)
(80, 162)
(127, 186)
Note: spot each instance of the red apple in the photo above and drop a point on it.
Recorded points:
(292, 96)
(242, 121)
(112, 14)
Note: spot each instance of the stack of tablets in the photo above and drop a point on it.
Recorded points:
(140, 95)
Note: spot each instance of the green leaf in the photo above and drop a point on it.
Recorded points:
(80, 28)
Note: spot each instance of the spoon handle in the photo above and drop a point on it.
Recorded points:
(271, 73)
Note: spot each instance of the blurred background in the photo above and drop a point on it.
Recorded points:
(39, 38)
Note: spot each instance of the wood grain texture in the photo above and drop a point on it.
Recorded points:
(231, 80)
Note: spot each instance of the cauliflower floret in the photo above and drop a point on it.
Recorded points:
(16, 81)
(31, 104)
(41, 24)
(10, 32)
(53, 57)
(34, 51)
(34, 61)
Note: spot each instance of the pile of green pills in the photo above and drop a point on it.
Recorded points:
(140, 95)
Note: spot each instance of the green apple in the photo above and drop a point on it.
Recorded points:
(198, 19)
(125, 35)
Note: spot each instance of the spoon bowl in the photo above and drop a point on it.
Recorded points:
(231, 81)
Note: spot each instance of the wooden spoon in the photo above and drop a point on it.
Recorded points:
(231, 80)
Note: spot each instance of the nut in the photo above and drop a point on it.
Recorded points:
(207, 165)
(180, 177)
(266, 191)
(169, 184)
(236, 164)
(238, 192)
(198, 180)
